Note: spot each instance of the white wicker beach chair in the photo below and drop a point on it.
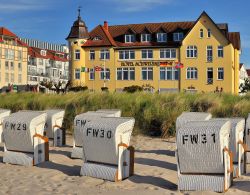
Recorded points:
(186, 117)
(3, 114)
(106, 147)
(247, 139)
(79, 123)
(24, 141)
(204, 161)
(53, 127)
(116, 112)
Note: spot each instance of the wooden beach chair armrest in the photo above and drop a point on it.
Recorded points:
(244, 146)
(230, 154)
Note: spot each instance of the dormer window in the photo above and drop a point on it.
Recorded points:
(97, 38)
(145, 37)
(161, 37)
(178, 36)
(129, 38)
(43, 52)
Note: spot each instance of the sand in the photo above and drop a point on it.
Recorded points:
(155, 173)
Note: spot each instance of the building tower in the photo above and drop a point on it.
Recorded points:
(76, 38)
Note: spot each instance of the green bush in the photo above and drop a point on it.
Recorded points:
(133, 89)
(78, 88)
(155, 114)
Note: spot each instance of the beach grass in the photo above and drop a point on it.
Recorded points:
(154, 113)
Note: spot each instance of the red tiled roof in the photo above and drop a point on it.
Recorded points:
(36, 53)
(248, 72)
(6, 32)
(234, 38)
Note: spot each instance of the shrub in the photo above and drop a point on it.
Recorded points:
(78, 88)
(132, 89)
(105, 89)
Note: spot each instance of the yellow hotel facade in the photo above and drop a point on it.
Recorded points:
(195, 56)
(13, 59)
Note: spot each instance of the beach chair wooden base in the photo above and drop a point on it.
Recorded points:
(77, 152)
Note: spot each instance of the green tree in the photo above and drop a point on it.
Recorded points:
(245, 87)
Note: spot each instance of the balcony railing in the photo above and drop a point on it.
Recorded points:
(210, 81)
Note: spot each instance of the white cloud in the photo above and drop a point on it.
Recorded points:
(9, 6)
(138, 5)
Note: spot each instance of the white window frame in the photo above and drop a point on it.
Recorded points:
(179, 37)
(193, 71)
(191, 49)
(160, 37)
(145, 37)
(104, 74)
(147, 51)
(124, 53)
(171, 52)
(129, 38)
(147, 69)
(91, 73)
(209, 33)
(122, 70)
(220, 49)
(209, 58)
(173, 70)
(105, 53)
(77, 71)
(91, 52)
(219, 70)
(77, 54)
(201, 33)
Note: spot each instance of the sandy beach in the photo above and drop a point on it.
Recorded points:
(155, 173)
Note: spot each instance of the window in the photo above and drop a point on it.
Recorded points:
(19, 78)
(12, 77)
(19, 67)
(147, 73)
(147, 54)
(40, 61)
(77, 73)
(192, 51)
(210, 76)
(192, 73)
(208, 33)
(105, 74)
(168, 53)
(92, 54)
(220, 52)
(104, 54)
(145, 37)
(201, 33)
(129, 38)
(209, 53)
(9, 54)
(77, 54)
(6, 65)
(169, 73)
(11, 65)
(126, 55)
(125, 74)
(6, 77)
(178, 36)
(220, 73)
(161, 37)
(44, 52)
(19, 55)
(92, 74)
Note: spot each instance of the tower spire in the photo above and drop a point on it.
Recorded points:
(79, 11)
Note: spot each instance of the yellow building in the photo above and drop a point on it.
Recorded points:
(13, 59)
(199, 56)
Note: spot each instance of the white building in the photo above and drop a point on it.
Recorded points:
(47, 62)
(243, 74)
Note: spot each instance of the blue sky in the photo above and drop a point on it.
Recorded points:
(50, 20)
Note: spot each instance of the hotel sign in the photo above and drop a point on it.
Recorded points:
(165, 63)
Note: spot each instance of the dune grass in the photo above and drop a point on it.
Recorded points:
(152, 112)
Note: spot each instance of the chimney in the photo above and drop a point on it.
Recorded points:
(106, 26)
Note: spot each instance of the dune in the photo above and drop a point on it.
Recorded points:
(155, 174)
